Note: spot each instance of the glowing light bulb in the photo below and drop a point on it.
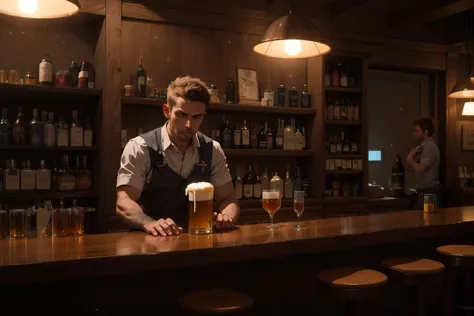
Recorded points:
(292, 47)
(28, 6)
(468, 108)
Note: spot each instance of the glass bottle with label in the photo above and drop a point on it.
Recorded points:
(288, 186)
(293, 97)
(343, 111)
(237, 136)
(20, 129)
(346, 145)
(330, 111)
(77, 132)
(350, 110)
(339, 145)
(227, 138)
(265, 181)
(214, 133)
(305, 98)
(343, 79)
(238, 188)
(83, 77)
(277, 184)
(303, 137)
(36, 130)
(335, 76)
(66, 177)
(298, 140)
(281, 96)
(354, 147)
(269, 94)
(12, 178)
(50, 130)
(248, 183)
(230, 91)
(73, 74)
(141, 79)
(62, 132)
(28, 178)
(245, 135)
(91, 76)
(262, 138)
(279, 136)
(43, 178)
(254, 138)
(88, 133)
(257, 186)
(83, 175)
(5, 129)
(333, 146)
(337, 110)
(269, 136)
(46, 72)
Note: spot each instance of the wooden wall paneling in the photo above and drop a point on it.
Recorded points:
(111, 109)
(93, 6)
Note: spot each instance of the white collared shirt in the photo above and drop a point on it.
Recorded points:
(135, 162)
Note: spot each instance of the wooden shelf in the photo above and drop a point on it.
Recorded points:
(46, 196)
(47, 148)
(343, 122)
(343, 156)
(216, 107)
(18, 89)
(148, 102)
(344, 171)
(268, 152)
(341, 89)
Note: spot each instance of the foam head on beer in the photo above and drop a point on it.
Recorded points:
(273, 195)
(200, 191)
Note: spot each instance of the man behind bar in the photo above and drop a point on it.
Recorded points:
(156, 167)
(424, 160)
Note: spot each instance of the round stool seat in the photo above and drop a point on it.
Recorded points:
(215, 301)
(414, 265)
(352, 277)
(457, 250)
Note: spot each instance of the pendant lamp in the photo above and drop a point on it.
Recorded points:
(468, 108)
(291, 36)
(40, 9)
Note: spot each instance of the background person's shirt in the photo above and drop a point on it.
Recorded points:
(429, 156)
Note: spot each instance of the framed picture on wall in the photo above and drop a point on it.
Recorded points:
(467, 136)
(247, 86)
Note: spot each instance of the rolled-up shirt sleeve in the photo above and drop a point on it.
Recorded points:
(134, 164)
(428, 156)
(220, 174)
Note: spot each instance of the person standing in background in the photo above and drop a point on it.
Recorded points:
(424, 160)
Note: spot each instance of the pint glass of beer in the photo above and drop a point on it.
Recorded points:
(271, 202)
(200, 203)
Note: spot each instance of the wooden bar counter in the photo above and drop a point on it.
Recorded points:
(28, 260)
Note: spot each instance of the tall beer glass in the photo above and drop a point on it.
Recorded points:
(200, 204)
(271, 201)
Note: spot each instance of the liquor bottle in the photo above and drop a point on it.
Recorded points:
(265, 181)
(245, 135)
(230, 91)
(91, 76)
(43, 178)
(73, 74)
(298, 140)
(350, 79)
(238, 188)
(45, 71)
(335, 77)
(288, 139)
(356, 113)
(343, 79)
(62, 132)
(83, 175)
(343, 111)
(339, 145)
(76, 132)
(237, 136)
(66, 177)
(12, 178)
(215, 133)
(337, 110)
(257, 186)
(330, 111)
(36, 130)
(141, 79)
(354, 147)
(333, 146)
(5, 129)
(303, 137)
(83, 77)
(253, 138)
(346, 145)
(269, 94)
(350, 110)
(269, 136)
(398, 177)
(297, 183)
(227, 138)
(305, 98)
(277, 184)
(262, 138)
(288, 185)
(281, 96)
(28, 178)
(293, 97)
(88, 133)
(279, 136)
(50, 131)
(20, 129)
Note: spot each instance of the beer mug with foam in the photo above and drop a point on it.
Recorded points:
(200, 207)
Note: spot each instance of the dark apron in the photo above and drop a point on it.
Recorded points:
(164, 196)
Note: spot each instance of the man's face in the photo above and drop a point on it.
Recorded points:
(419, 135)
(185, 118)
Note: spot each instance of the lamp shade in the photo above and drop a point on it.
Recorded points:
(291, 36)
(40, 9)
(463, 89)
(468, 109)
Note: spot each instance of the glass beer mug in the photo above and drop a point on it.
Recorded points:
(200, 207)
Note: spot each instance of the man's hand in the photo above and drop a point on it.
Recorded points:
(411, 155)
(163, 227)
(223, 220)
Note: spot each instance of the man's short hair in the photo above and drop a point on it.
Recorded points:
(426, 124)
(190, 88)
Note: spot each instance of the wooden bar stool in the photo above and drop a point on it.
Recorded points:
(422, 274)
(351, 286)
(461, 263)
(216, 302)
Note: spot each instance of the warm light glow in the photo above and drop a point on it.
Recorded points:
(39, 9)
(293, 47)
(28, 6)
(468, 108)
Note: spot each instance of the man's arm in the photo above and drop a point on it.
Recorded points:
(225, 195)
(128, 209)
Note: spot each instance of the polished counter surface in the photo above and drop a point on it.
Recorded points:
(119, 253)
